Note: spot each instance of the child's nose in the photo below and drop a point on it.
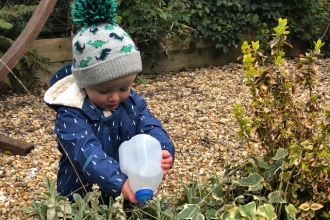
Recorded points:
(113, 97)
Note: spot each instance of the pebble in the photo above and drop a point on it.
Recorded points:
(20, 184)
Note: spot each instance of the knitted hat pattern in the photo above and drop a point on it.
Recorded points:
(102, 50)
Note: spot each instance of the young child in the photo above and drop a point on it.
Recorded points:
(96, 107)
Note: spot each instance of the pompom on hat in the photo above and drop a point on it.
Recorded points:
(102, 50)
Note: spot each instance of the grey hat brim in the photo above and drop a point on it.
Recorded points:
(124, 65)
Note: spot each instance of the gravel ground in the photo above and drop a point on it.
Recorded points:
(195, 106)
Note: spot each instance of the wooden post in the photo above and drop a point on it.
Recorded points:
(28, 35)
(14, 146)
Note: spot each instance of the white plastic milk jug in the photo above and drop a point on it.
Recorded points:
(140, 159)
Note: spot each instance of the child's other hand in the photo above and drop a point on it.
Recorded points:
(166, 161)
(128, 193)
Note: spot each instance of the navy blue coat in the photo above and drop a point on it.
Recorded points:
(89, 139)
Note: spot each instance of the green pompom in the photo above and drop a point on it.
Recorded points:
(90, 12)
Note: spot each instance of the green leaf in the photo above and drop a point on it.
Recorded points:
(163, 16)
(118, 18)
(168, 213)
(188, 193)
(275, 197)
(231, 214)
(280, 154)
(254, 6)
(217, 192)
(291, 211)
(132, 19)
(286, 175)
(248, 210)
(127, 12)
(48, 184)
(65, 205)
(327, 119)
(326, 215)
(42, 211)
(295, 154)
(186, 18)
(191, 211)
(47, 193)
(78, 199)
(318, 45)
(268, 211)
(50, 204)
(251, 180)
(255, 45)
(211, 214)
(260, 198)
(262, 164)
(256, 187)
(5, 25)
(307, 144)
(51, 214)
(27, 209)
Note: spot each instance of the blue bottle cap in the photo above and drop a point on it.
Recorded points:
(144, 195)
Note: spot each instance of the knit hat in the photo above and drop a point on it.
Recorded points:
(102, 50)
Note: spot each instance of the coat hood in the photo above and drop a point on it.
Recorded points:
(64, 91)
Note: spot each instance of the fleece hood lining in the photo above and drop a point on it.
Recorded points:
(65, 92)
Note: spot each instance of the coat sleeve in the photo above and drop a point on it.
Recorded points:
(148, 124)
(77, 139)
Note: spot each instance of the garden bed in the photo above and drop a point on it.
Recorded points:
(195, 106)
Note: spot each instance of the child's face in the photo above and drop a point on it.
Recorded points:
(110, 94)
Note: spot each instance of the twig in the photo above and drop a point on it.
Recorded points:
(326, 30)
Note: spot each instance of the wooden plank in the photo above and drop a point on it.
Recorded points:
(28, 35)
(171, 45)
(55, 49)
(45, 78)
(192, 58)
(14, 146)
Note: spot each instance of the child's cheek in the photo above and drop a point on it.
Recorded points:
(98, 100)
(124, 96)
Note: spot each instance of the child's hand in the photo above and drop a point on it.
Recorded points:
(128, 193)
(166, 161)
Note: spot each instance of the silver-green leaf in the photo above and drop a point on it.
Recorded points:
(191, 211)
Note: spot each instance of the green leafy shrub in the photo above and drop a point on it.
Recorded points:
(229, 23)
(295, 169)
(52, 206)
(226, 23)
(291, 181)
(151, 24)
